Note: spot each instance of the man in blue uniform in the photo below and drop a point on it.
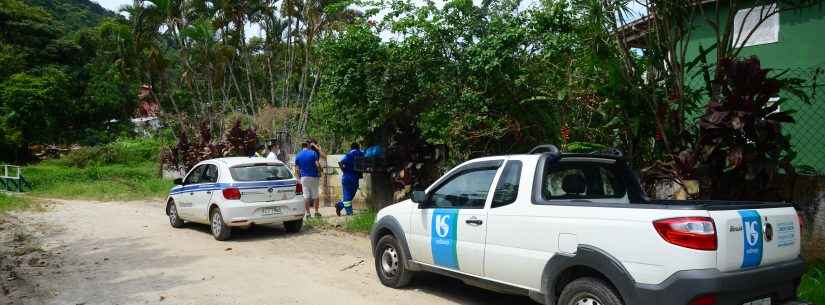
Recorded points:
(349, 180)
(306, 166)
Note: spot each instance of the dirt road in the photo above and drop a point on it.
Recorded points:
(126, 253)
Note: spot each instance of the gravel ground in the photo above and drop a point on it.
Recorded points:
(80, 252)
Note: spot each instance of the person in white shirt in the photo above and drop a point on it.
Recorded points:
(275, 152)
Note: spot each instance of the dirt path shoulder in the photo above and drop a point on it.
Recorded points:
(81, 252)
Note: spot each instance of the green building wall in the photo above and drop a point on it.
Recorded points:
(801, 50)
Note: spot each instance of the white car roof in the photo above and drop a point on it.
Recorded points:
(234, 161)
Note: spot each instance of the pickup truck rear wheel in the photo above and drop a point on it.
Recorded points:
(389, 263)
(589, 291)
(172, 212)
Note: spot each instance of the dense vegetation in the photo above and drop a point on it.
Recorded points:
(74, 15)
(479, 78)
(57, 87)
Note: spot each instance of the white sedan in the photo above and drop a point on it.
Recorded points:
(237, 192)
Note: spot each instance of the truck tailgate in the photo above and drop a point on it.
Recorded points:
(754, 237)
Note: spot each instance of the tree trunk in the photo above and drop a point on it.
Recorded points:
(271, 79)
(238, 88)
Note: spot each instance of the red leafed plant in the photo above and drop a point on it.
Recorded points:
(741, 146)
(188, 152)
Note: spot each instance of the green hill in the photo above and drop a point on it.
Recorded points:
(73, 14)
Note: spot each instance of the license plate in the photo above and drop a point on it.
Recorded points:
(271, 211)
(765, 301)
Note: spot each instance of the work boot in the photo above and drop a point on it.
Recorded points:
(338, 207)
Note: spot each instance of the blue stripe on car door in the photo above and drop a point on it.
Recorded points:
(752, 233)
(443, 235)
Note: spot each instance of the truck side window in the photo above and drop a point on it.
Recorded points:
(467, 190)
(577, 180)
(507, 187)
(195, 176)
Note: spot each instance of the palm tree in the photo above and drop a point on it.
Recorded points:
(274, 27)
(236, 13)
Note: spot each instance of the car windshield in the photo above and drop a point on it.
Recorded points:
(260, 172)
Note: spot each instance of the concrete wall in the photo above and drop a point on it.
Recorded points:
(331, 184)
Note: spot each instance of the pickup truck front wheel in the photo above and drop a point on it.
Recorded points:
(589, 291)
(389, 263)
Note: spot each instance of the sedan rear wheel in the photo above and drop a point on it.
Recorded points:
(219, 228)
(294, 226)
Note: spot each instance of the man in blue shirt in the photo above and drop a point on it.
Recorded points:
(306, 167)
(349, 180)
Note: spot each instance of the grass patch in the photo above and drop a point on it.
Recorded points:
(315, 223)
(361, 222)
(812, 288)
(122, 170)
(10, 203)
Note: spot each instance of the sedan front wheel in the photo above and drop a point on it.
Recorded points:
(174, 218)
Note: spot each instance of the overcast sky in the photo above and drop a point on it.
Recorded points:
(113, 5)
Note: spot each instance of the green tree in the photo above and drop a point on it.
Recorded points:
(28, 101)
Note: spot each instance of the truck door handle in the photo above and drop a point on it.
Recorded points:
(192, 193)
(209, 192)
(474, 222)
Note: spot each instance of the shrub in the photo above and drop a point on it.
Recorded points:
(122, 151)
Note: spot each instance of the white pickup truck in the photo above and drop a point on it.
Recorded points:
(577, 229)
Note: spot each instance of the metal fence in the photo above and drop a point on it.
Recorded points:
(807, 134)
(12, 179)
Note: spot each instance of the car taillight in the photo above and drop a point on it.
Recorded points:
(299, 189)
(690, 232)
(708, 299)
(232, 193)
(801, 221)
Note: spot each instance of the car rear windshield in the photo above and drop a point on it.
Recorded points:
(260, 172)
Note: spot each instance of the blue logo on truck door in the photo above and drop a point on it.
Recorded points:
(443, 232)
(752, 231)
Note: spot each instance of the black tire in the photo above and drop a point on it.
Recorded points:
(219, 228)
(174, 218)
(589, 290)
(293, 226)
(394, 274)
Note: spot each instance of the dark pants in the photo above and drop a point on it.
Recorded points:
(349, 186)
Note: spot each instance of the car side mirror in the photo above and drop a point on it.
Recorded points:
(178, 181)
(419, 196)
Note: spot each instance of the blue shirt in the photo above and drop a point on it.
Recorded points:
(348, 164)
(306, 163)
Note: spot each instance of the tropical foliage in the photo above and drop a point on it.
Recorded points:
(57, 87)
(480, 79)
(475, 77)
